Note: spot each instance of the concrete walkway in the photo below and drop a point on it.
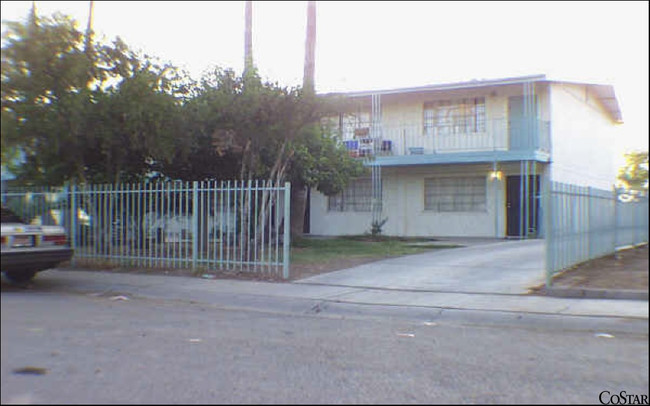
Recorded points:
(482, 266)
(245, 294)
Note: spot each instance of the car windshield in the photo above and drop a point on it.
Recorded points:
(8, 216)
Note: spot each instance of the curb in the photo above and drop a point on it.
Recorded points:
(590, 293)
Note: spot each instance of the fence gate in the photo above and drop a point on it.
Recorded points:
(232, 226)
(583, 223)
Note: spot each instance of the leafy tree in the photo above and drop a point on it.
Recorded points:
(89, 112)
(96, 112)
(634, 174)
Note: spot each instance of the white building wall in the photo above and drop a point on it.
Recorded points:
(403, 196)
(583, 138)
(325, 222)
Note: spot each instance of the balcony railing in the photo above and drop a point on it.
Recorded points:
(495, 135)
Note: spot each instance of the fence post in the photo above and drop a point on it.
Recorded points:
(615, 222)
(72, 189)
(286, 241)
(591, 196)
(195, 223)
(637, 217)
(548, 232)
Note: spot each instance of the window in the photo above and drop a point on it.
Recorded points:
(357, 196)
(464, 116)
(455, 194)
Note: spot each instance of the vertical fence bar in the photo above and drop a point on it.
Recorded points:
(249, 197)
(109, 220)
(213, 222)
(185, 189)
(130, 230)
(616, 222)
(241, 223)
(195, 222)
(221, 224)
(548, 233)
(72, 198)
(228, 225)
(263, 222)
(277, 222)
(150, 228)
(119, 221)
(521, 198)
(287, 231)
(255, 228)
(160, 198)
(175, 243)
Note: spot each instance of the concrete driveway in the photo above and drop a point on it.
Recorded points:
(481, 266)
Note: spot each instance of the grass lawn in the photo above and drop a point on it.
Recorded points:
(318, 250)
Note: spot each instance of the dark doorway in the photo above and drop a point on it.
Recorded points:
(306, 226)
(516, 205)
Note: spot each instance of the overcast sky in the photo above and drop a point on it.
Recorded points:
(381, 45)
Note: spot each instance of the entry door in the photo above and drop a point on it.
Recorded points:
(515, 198)
(522, 129)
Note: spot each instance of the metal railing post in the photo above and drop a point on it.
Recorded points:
(72, 189)
(195, 223)
(615, 195)
(548, 232)
(286, 241)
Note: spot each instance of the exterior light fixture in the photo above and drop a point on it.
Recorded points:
(496, 175)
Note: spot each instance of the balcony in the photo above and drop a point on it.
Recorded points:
(502, 136)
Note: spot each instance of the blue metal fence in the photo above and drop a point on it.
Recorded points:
(584, 223)
(232, 226)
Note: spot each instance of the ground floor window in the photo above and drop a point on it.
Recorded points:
(357, 196)
(455, 194)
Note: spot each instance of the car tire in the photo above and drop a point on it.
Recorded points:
(20, 276)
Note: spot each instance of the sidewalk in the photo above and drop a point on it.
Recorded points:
(219, 290)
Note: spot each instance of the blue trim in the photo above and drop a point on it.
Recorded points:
(461, 158)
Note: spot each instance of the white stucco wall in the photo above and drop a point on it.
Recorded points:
(403, 197)
(583, 138)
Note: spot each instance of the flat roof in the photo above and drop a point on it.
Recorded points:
(605, 93)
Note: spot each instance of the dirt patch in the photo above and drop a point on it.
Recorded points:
(628, 269)
(297, 271)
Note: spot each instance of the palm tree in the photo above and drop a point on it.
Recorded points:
(248, 38)
(310, 48)
(299, 192)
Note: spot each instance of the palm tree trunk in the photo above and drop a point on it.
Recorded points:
(310, 48)
(299, 190)
(248, 38)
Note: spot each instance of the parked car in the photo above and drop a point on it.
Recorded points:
(28, 249)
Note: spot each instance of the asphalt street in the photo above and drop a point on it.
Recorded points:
(65, 344)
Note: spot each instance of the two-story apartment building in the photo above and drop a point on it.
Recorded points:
(468, 159)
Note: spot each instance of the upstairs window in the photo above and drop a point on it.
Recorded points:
(352, 124)
(464, 116)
